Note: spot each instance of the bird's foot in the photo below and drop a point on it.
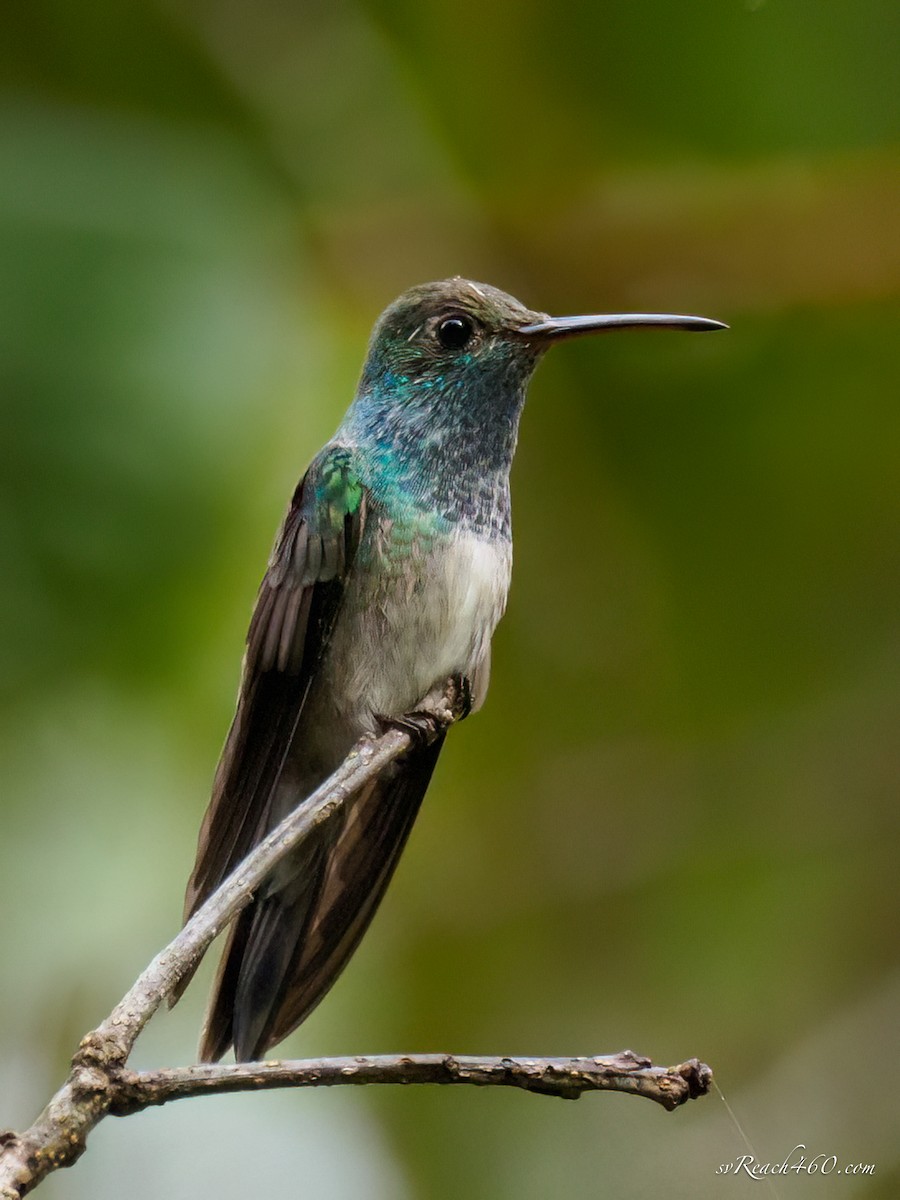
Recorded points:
(422, 726)
(439, 709)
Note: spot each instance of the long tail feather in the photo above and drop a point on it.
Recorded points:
(289, 946)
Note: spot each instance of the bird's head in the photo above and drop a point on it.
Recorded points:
(447, 370)
(455, 333)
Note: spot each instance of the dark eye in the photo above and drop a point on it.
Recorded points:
(454, 332)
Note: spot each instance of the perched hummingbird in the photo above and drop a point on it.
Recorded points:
(388, 577)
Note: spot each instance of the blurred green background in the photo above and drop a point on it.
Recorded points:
(674, 826)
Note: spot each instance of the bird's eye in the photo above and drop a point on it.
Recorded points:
(454, 332)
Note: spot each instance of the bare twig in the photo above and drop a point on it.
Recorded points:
(99, 1083)
(563, 1077)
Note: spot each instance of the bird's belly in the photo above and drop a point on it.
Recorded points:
(406, 626)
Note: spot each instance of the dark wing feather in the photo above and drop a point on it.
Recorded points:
(299, 946)
(295, 611)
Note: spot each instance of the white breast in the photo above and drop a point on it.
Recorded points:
(412, 630)
(470, 586)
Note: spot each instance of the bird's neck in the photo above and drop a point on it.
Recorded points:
(446, 453)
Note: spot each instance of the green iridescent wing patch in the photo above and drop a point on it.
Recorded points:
(314, 547)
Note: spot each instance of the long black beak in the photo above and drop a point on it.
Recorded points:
(554, 328)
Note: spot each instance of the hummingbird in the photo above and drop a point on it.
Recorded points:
(388, 577)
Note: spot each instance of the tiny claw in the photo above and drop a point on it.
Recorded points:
(459, 696)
